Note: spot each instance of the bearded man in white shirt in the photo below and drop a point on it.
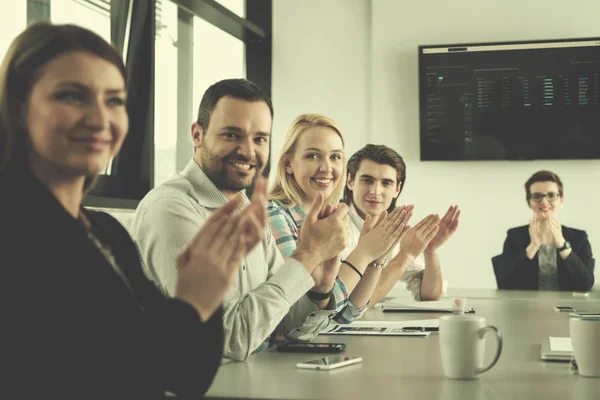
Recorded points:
(267, 303)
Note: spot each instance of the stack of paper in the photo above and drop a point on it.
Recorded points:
(422, 327)
(557, 349)
(560, 344)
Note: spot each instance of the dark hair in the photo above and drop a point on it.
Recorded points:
(237, 88)
(381, 155)
(21, 68)
(542, 176)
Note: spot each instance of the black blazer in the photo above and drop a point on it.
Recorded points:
(71, 328)
(515, 271)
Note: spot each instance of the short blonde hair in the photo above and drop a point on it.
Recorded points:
(285, 189)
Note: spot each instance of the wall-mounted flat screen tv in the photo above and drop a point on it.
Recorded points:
(510, 101)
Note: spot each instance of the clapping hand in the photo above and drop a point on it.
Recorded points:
(254, 217)
(447, 226)
(324, 234)
(535, 232)
(326, 273)
(379, 236)
(409, 212)
(419, 236)
(556, 230)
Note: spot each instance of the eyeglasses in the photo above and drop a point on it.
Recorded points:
(551, 196)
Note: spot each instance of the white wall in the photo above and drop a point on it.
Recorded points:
(320, 57)
(321, 64)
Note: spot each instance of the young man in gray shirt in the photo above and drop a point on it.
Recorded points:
(268, 301)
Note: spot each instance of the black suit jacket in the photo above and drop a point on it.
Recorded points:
(515, 271)
(71, 328)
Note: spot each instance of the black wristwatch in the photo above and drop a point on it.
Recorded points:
(318, 296)
(567, 245)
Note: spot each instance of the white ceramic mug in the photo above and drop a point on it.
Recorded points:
(462, 345)
(585, 338)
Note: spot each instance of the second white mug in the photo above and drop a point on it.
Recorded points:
(585, 337)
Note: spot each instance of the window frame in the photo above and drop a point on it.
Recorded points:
(124, 190)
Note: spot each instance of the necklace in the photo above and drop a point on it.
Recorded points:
(104, 250)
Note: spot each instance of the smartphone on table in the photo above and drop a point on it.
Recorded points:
(311, 347)
(564, 308)
(329, 363)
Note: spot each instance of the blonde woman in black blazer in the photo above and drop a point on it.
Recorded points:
(79, 318)
(545, 255)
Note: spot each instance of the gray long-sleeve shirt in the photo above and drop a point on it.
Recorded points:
(267, 300)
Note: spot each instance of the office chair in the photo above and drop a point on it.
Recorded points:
(497, 264)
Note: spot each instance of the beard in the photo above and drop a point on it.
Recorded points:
(216, 168)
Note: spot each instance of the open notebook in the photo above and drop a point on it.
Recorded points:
(402, 305)
(422, 327)
(557, 349)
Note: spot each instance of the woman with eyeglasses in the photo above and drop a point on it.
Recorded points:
(545, 255)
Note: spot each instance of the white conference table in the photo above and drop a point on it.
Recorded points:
(410, 367)
(400, 291)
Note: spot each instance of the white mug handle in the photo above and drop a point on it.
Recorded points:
(481, 334)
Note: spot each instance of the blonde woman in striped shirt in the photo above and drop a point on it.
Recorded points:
(313, 163)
